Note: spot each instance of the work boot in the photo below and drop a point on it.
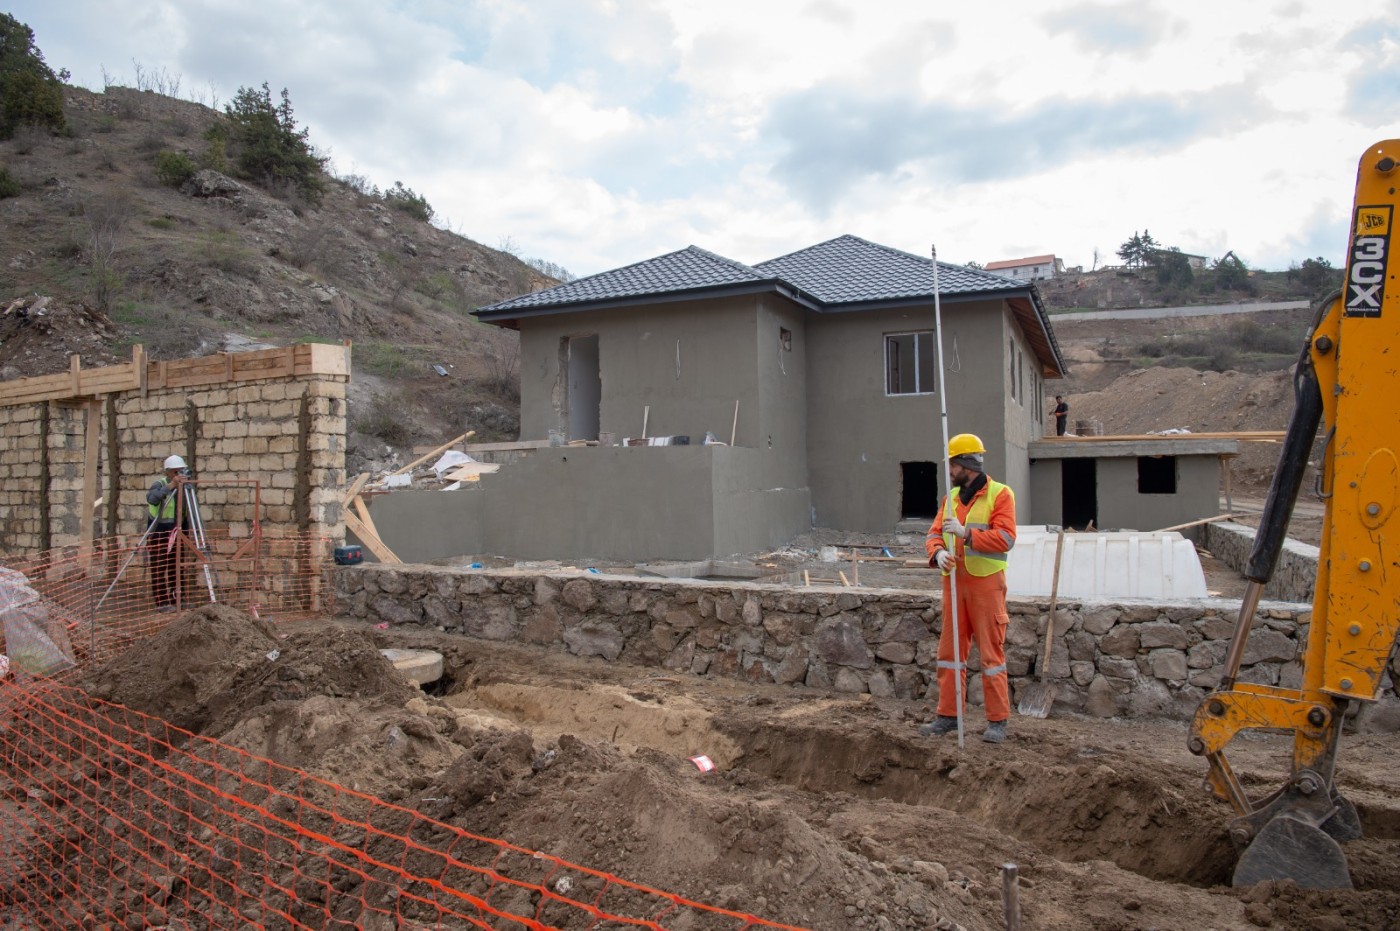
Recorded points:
(938, 727)
(995, 732)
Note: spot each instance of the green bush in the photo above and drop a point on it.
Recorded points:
(9, 187)
(404, 198)
(174, 168)
(161, 223)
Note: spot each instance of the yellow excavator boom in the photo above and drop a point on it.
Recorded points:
(1348, 384)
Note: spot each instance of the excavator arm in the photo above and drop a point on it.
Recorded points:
(1348, 384)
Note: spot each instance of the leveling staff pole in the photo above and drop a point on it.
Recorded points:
(948, 541)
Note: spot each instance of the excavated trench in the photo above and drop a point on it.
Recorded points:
(1076, 805)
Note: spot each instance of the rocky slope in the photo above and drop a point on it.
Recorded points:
(123, 258)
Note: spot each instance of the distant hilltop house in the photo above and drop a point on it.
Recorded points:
(1029, 269)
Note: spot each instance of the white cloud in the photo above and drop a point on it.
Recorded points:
(596, 133)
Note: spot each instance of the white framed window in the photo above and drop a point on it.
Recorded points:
(909, 363)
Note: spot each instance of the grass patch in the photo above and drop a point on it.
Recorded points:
(385, 359)
(161, 223)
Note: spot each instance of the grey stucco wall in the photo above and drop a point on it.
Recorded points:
(1134, 659)
(1045, 483)
(858, 436)
(1120, 505)
(688, 361)
(626, 504)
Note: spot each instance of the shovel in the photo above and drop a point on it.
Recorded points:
(1039, 696)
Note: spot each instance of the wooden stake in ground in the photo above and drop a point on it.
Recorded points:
(1039, 696)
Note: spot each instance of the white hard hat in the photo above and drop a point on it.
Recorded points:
(174, 462)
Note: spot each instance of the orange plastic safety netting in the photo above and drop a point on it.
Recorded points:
(110, 817)
(76, 606)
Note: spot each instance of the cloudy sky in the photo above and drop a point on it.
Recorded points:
(596, 133)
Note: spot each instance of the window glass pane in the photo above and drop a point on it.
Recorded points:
(928, 381)
(900, 364)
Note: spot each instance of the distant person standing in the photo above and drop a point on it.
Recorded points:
(162, 506)
(1061, 413)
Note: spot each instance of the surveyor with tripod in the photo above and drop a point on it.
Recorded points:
(163, 504)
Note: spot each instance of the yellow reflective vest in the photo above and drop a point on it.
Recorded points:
(979, 516)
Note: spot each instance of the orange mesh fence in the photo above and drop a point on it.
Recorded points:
(71, 607)
(110, 818)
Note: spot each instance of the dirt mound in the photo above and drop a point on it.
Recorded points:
(1161, 398)
(192, 662)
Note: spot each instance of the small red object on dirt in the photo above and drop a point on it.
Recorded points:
(702, 763)
(383, 626)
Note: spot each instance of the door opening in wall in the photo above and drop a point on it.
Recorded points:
(918, 489)
(585, 388)
(1079, 493)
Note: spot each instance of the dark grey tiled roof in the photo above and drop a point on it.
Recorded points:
(851, 270)
(692, 268)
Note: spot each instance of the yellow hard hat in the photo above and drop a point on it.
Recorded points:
(965, 443)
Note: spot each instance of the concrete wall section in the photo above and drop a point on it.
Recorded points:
(1129, 659)
(615, 504)
(1045, 484)
(751, 515)
(1123, 507)
(779, 420)
(687, 361)
(858, 435)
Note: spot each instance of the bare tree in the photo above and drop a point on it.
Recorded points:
(107, 218)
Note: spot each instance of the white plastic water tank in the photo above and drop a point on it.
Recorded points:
(1118, 564)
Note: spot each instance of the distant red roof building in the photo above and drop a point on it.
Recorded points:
(1028, 269)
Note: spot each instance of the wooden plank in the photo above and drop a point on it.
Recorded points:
(424, 458)
(362, 510)
(469, 448)
(469, 471)
(75, 373)
(355, 488)
(371, 540)
(92, 441)
(1196, 523)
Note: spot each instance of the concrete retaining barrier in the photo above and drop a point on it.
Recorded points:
(1294, 576)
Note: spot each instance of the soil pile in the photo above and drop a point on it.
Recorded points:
(824, 810)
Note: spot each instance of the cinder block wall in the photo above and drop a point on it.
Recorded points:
(1132, 659)
(270, 416)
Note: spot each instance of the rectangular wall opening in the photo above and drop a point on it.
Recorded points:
(919, 489)
(585, 388)
(1079, 493)
(1156, 475)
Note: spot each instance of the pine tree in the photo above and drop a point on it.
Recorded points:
(30, 93)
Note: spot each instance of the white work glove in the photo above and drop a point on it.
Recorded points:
(954, 526)
(945, 560)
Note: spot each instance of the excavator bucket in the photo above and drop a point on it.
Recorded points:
(1289, 847)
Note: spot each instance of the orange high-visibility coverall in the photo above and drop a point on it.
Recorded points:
(981, 606)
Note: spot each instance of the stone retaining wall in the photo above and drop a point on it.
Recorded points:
(1294, 576)
(1137, 659)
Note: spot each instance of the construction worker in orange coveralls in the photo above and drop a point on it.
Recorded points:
(974, 531)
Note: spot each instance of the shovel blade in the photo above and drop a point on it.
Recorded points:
(1036, 700)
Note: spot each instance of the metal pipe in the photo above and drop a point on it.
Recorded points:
(1011, 896)
(1248, 604)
